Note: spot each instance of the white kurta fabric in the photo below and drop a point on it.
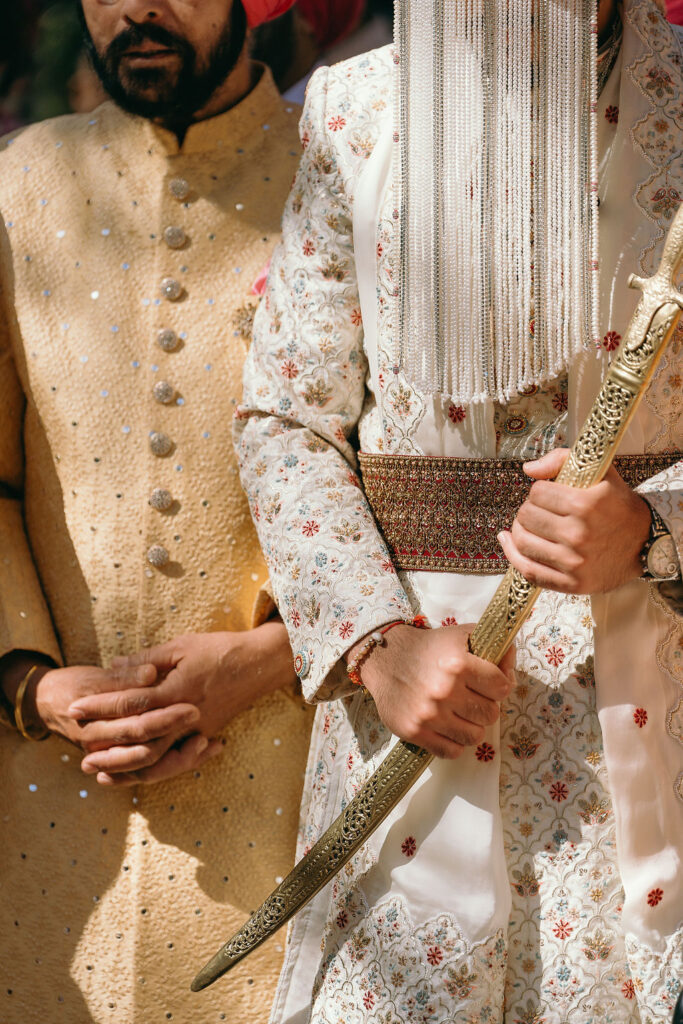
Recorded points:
(537, 878)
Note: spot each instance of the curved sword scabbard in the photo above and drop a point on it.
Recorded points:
(651, 327)
(378, 795)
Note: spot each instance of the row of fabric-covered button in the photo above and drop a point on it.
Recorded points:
(164, 392)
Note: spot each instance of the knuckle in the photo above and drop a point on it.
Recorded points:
(491, 712)
(440, 689)
(574, 562)
(147, 757)
(138, 702)
(531, 575)
(138, 731)
(577, 534)
(411, 732)
(538, 489)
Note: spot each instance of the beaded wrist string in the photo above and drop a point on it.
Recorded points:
(376, 639)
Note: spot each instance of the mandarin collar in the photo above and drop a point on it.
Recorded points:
(260, 108)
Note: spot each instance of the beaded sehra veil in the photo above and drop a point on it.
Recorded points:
(497, 192)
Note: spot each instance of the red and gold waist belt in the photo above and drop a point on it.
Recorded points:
(443, 514)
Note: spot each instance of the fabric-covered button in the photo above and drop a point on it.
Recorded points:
(302, 664)
(161, 499)
(158, 556)
(161, 444)
(163, 392)
(171, 289)
(167, 339)
(174, 237)
(179, 188)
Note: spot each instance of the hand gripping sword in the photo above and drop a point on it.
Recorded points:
(649, 331)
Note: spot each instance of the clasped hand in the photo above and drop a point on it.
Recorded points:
(577, 541)
(154, 713)
(430, 690)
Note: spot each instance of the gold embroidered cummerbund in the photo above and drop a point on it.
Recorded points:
(443, 513)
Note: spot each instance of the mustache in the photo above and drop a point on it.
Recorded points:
(131, 37)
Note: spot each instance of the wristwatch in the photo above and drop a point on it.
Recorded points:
(658, 557)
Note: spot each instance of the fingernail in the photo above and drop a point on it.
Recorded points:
(88, 767)
(202, 744)
(76, 713)
(104, 779)
(217, 748)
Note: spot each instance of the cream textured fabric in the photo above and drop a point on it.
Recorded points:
(112, 900)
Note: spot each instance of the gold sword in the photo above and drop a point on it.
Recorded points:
(648, 333)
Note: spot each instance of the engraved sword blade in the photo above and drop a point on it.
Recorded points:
(649, 331)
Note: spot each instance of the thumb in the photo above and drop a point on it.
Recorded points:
(548, 466)
(163, 656)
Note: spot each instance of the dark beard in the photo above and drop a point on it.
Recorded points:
(170, 96)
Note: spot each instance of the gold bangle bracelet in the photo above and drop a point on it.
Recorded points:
(18, 701)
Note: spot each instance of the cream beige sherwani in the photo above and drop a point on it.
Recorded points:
(112, 386)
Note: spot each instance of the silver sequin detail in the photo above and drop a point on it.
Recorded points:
(171, 289)
(174, 237)
(161, 499)
(161, 444)
(163, 392)
(179, 187)
(167, 339)
(158, 556)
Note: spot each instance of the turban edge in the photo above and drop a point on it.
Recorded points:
(259, 11)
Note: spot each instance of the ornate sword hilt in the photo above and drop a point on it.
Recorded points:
(648, 333)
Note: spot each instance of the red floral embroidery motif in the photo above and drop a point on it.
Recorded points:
(666, 201)
(611, 341)
(560, 401)
(349, 762)
(308, 247)
(640, 717)
(554, 656)
(558, 792)
(628, 989)
(420, 622)
(345, 630)
(409, 846)
(655, 897)
(310, 528)
(449, 621)
(335, 124)
(456, 413)
(356, 317)
(368, 1000)
(563, 929)
(342, 919)
(434, 956)
(612, 115)
(289, 369)
(295, 619)
(485, 752)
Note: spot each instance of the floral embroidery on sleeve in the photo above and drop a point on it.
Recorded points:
(304, 392)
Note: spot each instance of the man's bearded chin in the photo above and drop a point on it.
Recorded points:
(175, 91)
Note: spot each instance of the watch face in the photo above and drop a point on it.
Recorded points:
(662, 561)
